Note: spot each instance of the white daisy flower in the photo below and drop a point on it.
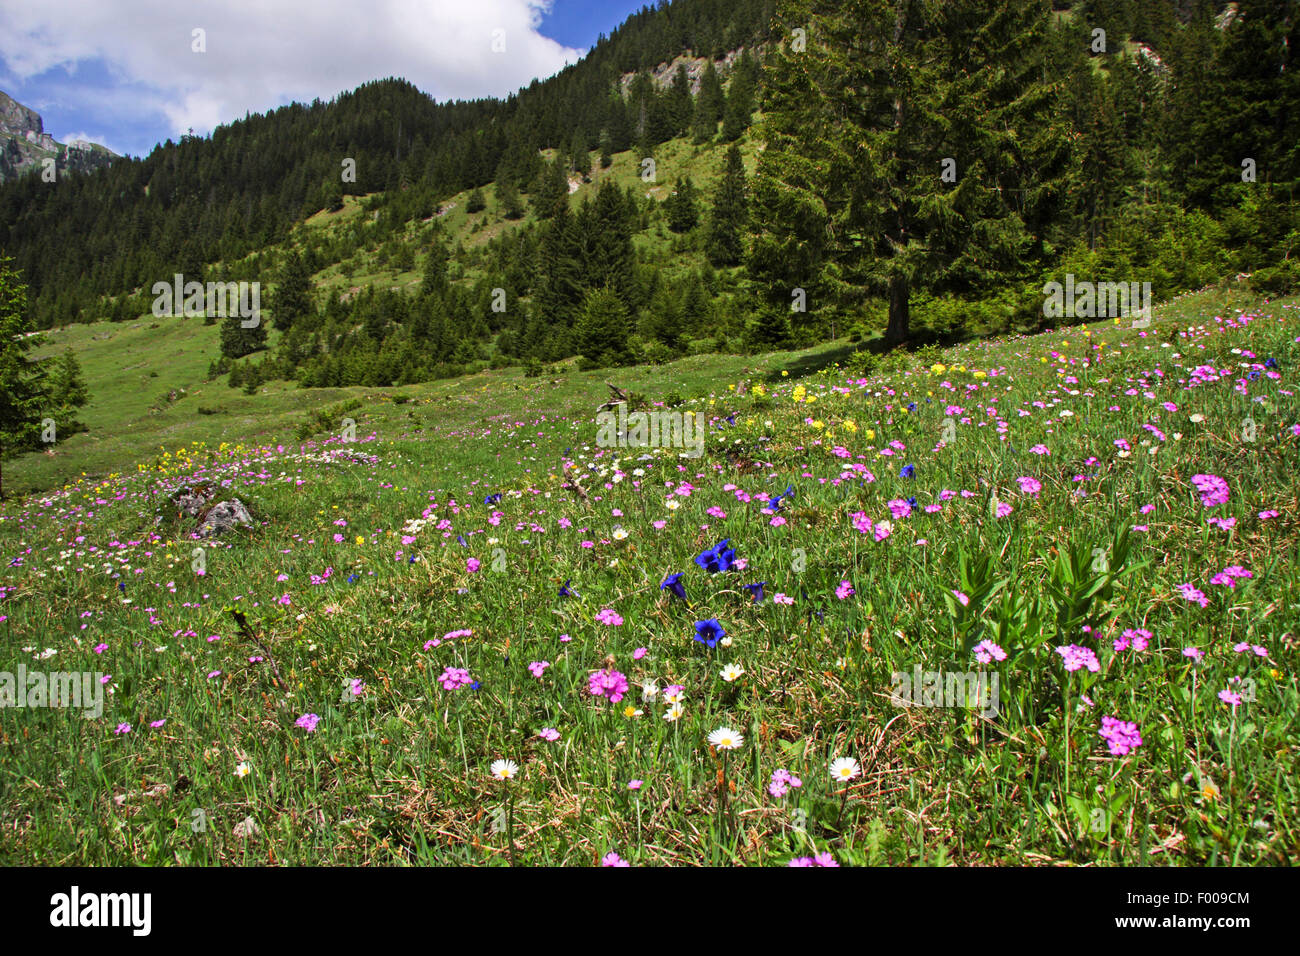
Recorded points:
(724, 738)
(845, 769)
(504, 769)
(731, 672)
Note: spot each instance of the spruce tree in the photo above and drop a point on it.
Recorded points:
(680, 207)
(709, 105)
(603, 329)
(904, 92)
(475, 201)
(237, 340)
(435, 282)
(292, 304)
(23, 385)
(509, 205)
(730, 216)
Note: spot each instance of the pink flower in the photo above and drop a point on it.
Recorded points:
(472, 565)
(1138, 638)
(783, 599)
(962, 599)
(1193, 595)
(1228, 697)
(1121, 736)
(538, 667)
(454, 677)
(1077, 657)
(639, 653)
(986, 652)
(844, 590)
(283, 599)
(613, 859)
(307, 722)
(609, 617)
(1213, 489)
(549, 733)
(634, 784)
(609, 684)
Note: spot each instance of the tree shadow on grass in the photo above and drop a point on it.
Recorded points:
(805, 365)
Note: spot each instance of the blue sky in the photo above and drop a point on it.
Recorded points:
(132, 73)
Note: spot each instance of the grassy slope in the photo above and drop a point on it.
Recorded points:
(401, 773)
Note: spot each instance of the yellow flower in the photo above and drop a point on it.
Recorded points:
(938, 368)
(360, 539)
(869, 434)
(851, 425)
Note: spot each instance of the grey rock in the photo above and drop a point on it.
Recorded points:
(223, 517)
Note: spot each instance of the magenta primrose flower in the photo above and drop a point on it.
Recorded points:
(607, 683)
(1121, 736)
(1077, 657)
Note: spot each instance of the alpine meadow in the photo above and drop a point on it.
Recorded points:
(786, 433)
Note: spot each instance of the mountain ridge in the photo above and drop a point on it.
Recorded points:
(25, 145)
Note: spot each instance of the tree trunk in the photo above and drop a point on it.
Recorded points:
(899, 316)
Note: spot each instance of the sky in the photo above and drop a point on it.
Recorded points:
(129, 74)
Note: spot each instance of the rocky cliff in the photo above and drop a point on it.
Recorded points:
(24, 144)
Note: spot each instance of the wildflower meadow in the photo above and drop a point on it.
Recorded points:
(1030, 600)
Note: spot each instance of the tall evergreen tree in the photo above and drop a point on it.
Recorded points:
(680, 207)
(709, 104)
(293, 303)
(23, 386)
(920, 89)
(730, 217)
(602, 330)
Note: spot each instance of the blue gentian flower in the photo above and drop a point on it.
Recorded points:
(717, 558)
(909, 471)
(475, 685)
(1270, 363)
(756, 590)
(564, 589)
(674, 584)
(731, 419)
(463, 542)
(121, 586)
(709, 632)
(912, 501)
(491, 499)
(911, 406)
(352, 579)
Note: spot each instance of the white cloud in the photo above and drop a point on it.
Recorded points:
(264, 53)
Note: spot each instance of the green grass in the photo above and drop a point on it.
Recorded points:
(400, 774)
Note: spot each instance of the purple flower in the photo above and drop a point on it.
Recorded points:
(1077, 657)
(1121, 736)
(1213, 489)
(453, 677)
(673, 584)
(307, 722)
(607, 683)
(709, 632)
